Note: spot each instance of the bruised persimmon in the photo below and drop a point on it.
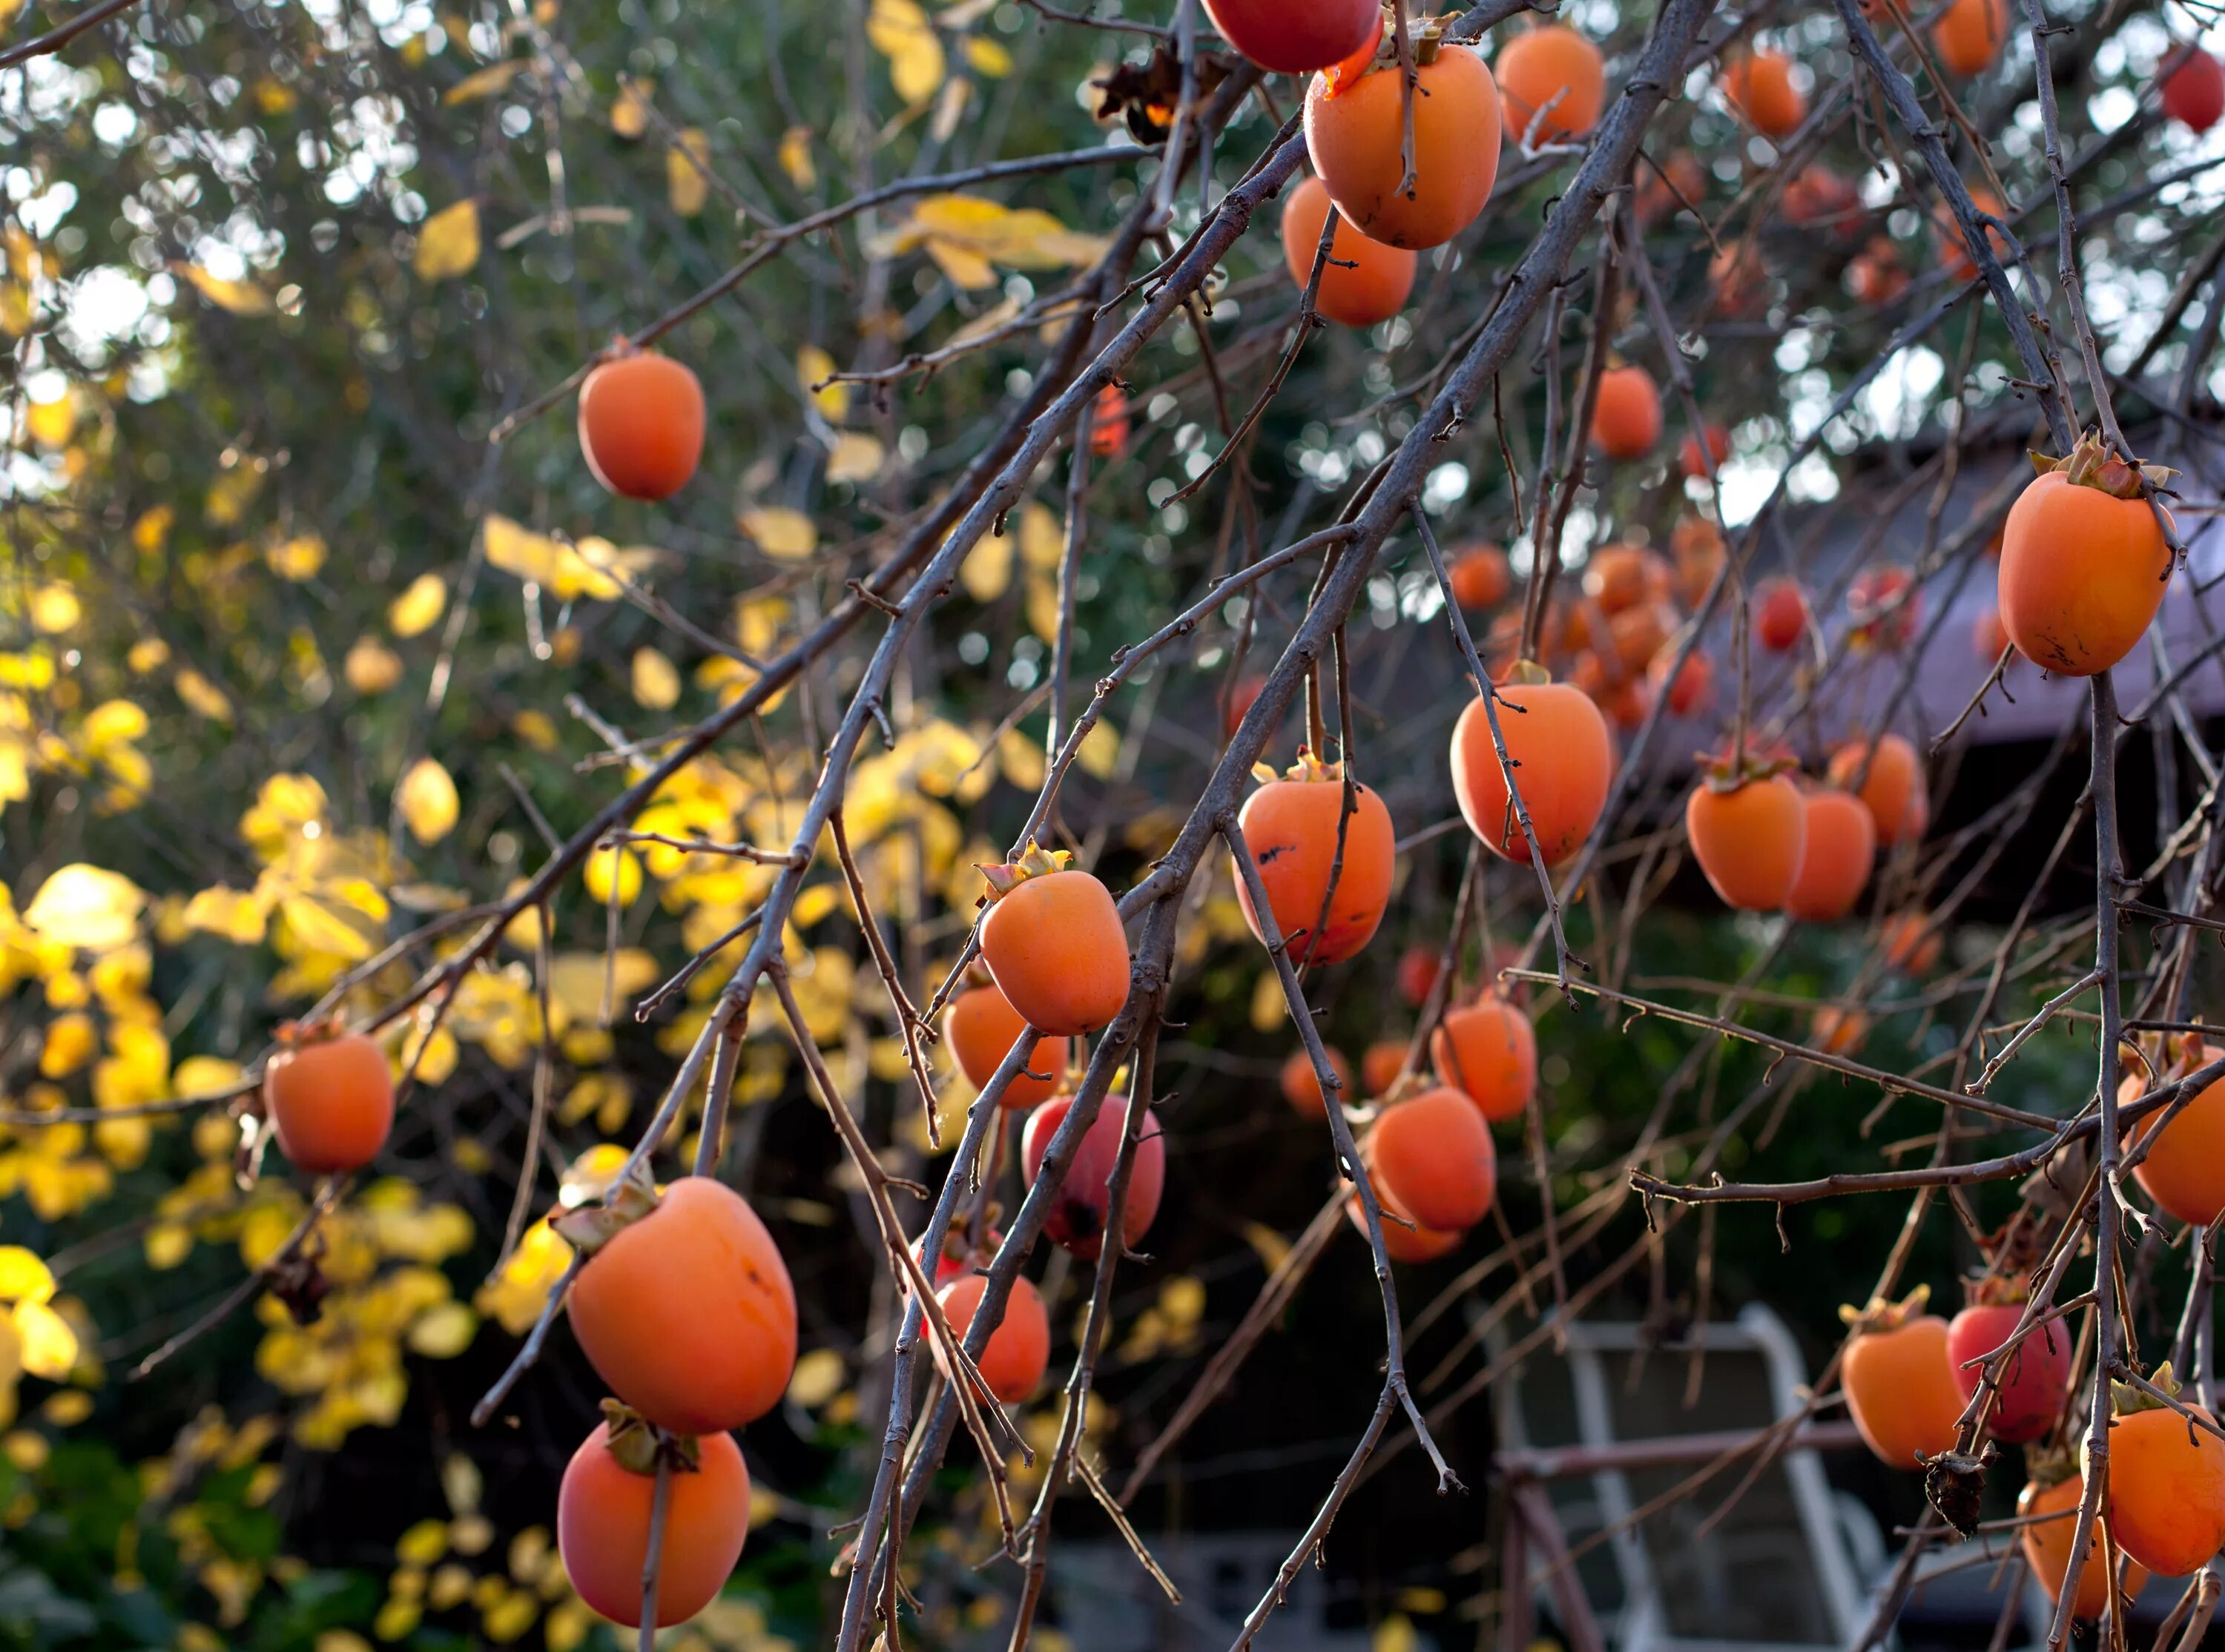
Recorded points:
(1013, 1360)
(2084, 562)
(2166, 1488)
(1355, 137)
(1054, 944)
(2185, 1170)
(2194, 89)
(1692, 685)
(683, 1305)
(1698, 459)
(2032, 1381)
(1968, 35)
(2049, 1507)
(1623, 576)
(1899, 1389)
(641, 425)
(1565, 759)
(1892, 787)
(1081, 1211)
(1836, 855)
(1758, 86)
(1552, 82)
(1364, 281)
(1296, 36)
(330, 1100)
(1302, 1086)
(606, 1502)
(1432, 1156)
(1780, 615)
(982, 1027)
(1748, 831)
(1292, 827)
(1487, 1051)
(1627, 414)
(1479, 576)
(1381, 1063)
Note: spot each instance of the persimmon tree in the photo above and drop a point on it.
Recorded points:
(678, 679)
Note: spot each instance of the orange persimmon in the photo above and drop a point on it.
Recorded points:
(1780, 615)
(1355, 135)
(982, 1027)
(1837, 854)
(1565, 757)
(1012, 1361)
(2185, 1170)
(1054, 943)
(1556, 70)
(2084, 562)
(1080, 1211)
(1479, 576)
(606, 1501)
(1487, 1051)
(1968, 35)
(1758, 86)
(1364, 281)
(1748, 830)
(1432, 1157)
(329, 1098)
(1627, 414)
(1893, 790)
(1302, 1086)
(1899, 1386)
(2049, 1502)
(1296, 36)
(1292, 827)
(641, 425)
(2166, 1498)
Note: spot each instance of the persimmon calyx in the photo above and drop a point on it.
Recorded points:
(591, 1227)
(1878, 1315)
(1525, 673)
(298, 1035)
(1995, 1290)
(2044, 1468)
(1037, 861)
(641, 1447)
(1307, 769)
(1719, 772)
(1404, 1087)
(2090, 465)
(2128, 1399)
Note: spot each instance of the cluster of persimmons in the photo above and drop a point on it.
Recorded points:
(681, 1301)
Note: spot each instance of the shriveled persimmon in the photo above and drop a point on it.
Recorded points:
(683, 1305)
(1968, 35)
(1552, 82)
(2166, 1499)
(1899, 1389)
(982, 1027)
(1432, 1156)
(1012, 1361)
(641, 425)
(1891, 785)
(2034, 1378)
(1302, 1086)
(1355, 137)
(1836, 859)
(2185, 1169)
(2049, 1507)
(1488, 1052)
(1759, 84)
(2194, 89)
(1749, 828)
(1296, 36)
(1293, 828)
(330, 1100)
(1780, 615)
(1364, 281)
(606, 1502)
(1627, 414)
(1479, 576)
(1054, 943)
(2084, 561)
(1081, 1212)
(1564, 758)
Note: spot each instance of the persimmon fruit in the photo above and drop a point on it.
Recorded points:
(2185, 1170)
(1837, 854)
(2194, 90)
(1296, 36)
(1080, 1211)
(1780, 615)
(1911, 943)
(1109, 422)
(2084, 563)
(1627, 414)
(1893, 790)
(1883, 609)
(1416, 976)
(1302, 1087)
(1691, 686)
(1479, 576)
(1748, 833)
(1900, 1386)
(2050, 1507)
(1697, 461)
(1970, 33)
(330, 1100)
(1564, 758)
(1622, 576)
(1381, 1063)
(1291, 826)
(683, 1305)
(1432, 1156)
(1555, 69)
(1364, 282)
(1403, 1238)
(604, 1508)
(2166, 1497)
(641, 425)
(1954, 252)
(1355, 137)
(1054, 944)
(1014, 1358)
(1487, 1051)
(1696, 544)
(2032, 1381)
(1758, 86)
(1988, 636)
(982, 1027)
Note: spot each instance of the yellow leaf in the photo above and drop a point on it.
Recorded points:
(1394, 1634)
(240, 297)
(1042, 536)
(54, 609)
(372, 667)
(607, 869)
(238, 917)
(630, 109)
(23, 1277)
(70, 1041)
(814, 366)
(1022, 759)
(85, 907)
(988, 57)
(149, 533)
(1041, 605)
(949, 110)
(1268, 1007)
(856, 458)
(795, 158)
(1099, 754)
(429, 805)
(296, 558)
(1271, 1246)
(416, 608)
(443, 1332)
(148, 654)
(49, 1344)
(986, 572)
(900, 32)
(785, 535)
(817, 1379)
(594, 567)
(448, 244)
(576, 981)
(484, 83)
(51, 423)
(655, 681)
(686, 180)
(203, 696)
(965, 235)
